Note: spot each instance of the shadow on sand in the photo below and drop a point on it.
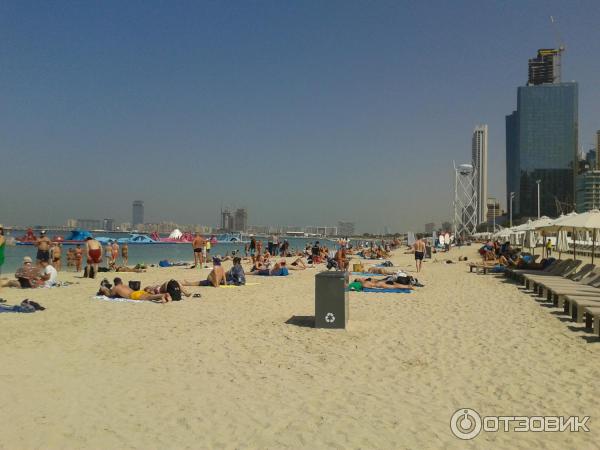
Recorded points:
(302, 321)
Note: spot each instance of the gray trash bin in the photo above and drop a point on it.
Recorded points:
(331, 300)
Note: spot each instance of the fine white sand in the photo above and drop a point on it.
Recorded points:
(226, 371)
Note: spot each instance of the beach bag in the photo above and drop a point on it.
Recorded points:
(135, 285)
(174, 290)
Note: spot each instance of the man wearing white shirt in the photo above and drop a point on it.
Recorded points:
(49, 274)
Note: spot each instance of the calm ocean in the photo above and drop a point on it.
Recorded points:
(144, 254)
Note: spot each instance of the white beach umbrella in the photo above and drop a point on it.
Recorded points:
(587, 221)
(529, 239)
(561, 242)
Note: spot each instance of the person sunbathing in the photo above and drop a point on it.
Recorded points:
(380, 270)
(236, 275)
(119, 290)
(298, 264)
(279, 270)
(386, 283)
(116, 268)
(26, 277)
(162, 288)
(215, 278)
(260, 263)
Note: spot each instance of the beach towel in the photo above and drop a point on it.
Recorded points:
(236, 286)
(367, 274)
(119, 300)
(388, 291)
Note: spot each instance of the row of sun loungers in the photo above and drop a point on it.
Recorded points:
(569, 285)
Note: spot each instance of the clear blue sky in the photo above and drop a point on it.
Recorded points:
(304, 112)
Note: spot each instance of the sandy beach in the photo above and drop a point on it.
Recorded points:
(228, 371)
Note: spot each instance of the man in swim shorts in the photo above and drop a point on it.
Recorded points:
(56, 253)
(215, 278)
(419, 249)
(119, 290)
(198, 246)
(93, 250)
(43, 248)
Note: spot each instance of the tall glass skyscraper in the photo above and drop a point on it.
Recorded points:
(541, 144)
(137, 213)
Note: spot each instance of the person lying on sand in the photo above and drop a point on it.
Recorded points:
(215, 278)
(299, 264)
(116, 268)
(119, 290)
(380, 270)
(279, 270)
(386, 283)
(162, 288)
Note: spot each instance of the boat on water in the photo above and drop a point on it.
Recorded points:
(230, 238)
(76, 237)
(132, 239)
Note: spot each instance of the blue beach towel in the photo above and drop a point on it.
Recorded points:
(15, 309)
(388, 291)
(366, 274)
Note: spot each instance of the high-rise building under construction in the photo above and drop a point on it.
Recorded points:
(545, 68)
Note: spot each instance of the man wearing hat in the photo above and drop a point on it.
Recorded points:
(43, 245)
(27, 276)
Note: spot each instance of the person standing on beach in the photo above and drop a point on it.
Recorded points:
(198, 247)
(125, 253)
(93, 250)
(419, 249)
(259, 245)
(78, 257)
(43, 245)
(108, 253)
(252, 246)
(56, 251)
(115, 252)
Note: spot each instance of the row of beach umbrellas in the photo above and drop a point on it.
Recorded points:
(528, 233)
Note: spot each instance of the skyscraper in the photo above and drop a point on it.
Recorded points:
(240, 220)
(345, 229)
(545, 69)
(226, 220)
(479, 155)
(138, 213)
(541, 145)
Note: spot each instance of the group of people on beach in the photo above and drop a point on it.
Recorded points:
(268, 261)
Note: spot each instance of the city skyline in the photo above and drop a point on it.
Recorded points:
(184, 105)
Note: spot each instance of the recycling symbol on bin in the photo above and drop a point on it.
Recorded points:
(329, 317)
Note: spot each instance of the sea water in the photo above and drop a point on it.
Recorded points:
(147, 253)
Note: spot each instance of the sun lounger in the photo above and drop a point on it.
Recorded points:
(574, 305)
(480, 267)
(562, 271)
(517, 274)
(592, 316)
(588, 278)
